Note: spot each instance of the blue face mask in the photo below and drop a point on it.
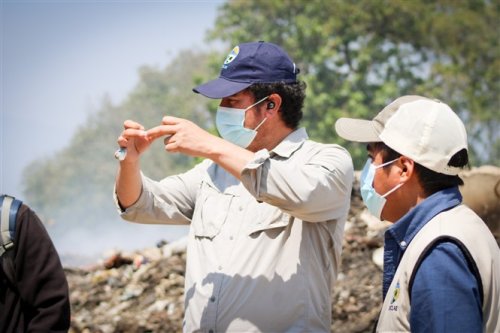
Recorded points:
(373, 201)
(230, 124)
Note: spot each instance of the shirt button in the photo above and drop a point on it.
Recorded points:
(403, 244)
(220, 268)
(212, 299)
(231, 238)
(240, 208)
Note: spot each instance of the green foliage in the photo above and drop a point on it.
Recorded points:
(357, 56)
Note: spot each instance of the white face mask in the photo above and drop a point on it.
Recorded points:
(230, 124)
(373, 201)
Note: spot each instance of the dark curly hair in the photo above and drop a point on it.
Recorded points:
(431, 181)
(292, 97)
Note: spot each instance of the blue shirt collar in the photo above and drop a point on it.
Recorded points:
(410, 224)
(400, 234)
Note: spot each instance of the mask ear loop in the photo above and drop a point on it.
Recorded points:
(395, 187)
(254, 104)
(386, 163)
(256, 128)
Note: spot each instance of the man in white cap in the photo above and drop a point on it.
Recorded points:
(441, 262)
(266, 208)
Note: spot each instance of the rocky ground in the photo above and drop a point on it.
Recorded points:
(143, 291)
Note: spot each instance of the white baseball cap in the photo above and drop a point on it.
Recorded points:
(423, 129)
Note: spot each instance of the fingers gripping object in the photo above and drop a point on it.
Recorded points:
(121, 152)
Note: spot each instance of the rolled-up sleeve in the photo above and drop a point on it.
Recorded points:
(169, 201)
(313, 184)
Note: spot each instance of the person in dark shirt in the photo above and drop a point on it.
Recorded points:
(36, 297)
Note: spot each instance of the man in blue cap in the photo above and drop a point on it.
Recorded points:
(266, 207)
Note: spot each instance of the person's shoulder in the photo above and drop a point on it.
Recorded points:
(445, 247)
(332, 157)
(24, 210)
(325, 145)
(449, 256)
(329, 148)
(28, 225)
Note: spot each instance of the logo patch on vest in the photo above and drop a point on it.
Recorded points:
(395, 296)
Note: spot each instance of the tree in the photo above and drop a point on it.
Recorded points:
(357, 56)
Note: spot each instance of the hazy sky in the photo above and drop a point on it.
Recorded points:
(58, 58)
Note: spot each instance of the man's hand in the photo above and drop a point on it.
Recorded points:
(128, 179)
(183, 136)
(134, 138)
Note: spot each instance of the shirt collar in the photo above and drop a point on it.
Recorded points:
(410, 224)
(291, 143)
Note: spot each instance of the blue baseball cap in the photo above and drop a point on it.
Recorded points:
(249, 63)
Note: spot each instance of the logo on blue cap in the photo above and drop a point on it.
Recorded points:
(247, 64)
(231, 56)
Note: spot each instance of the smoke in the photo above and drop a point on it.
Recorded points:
(84, 246)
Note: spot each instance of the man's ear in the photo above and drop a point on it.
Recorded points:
(273, 104)
(407, 168)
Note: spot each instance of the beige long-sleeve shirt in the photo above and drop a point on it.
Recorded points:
(263, 253)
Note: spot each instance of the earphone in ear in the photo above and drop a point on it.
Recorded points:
(270, 105)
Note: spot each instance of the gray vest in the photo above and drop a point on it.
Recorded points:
(465, 227)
